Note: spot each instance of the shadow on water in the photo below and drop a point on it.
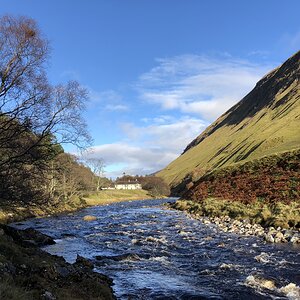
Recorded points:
(155, 253)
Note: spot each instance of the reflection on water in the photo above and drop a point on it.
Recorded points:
(155, 253)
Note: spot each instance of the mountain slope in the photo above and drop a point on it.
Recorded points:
(264, 122)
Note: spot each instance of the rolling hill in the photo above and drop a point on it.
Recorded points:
(265, 122)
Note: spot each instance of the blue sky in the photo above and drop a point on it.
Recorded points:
(159, 71)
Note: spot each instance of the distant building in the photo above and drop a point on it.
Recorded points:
(128, 185)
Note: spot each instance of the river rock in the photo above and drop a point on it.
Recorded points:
(272, 230)
(262, 258)
(259, 232)
(269, 238)
(89, 218)
(288, 233)
(278, 237)
(248, 225)
(126, 256)
(83, 262)
(295, 239)
(245, 227)
(48, 296)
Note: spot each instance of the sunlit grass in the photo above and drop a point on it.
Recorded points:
(110, 196)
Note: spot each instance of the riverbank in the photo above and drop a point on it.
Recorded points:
(275, 224)
(112, 196)
(26, 272)
(14, 211)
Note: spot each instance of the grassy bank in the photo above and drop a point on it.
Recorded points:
(17, 211)
(111, 196)
(276, 214)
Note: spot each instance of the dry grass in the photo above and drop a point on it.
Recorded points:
(111, 196)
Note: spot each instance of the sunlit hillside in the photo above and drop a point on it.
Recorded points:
(264, 122)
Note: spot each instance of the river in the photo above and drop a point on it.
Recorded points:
(152, 252)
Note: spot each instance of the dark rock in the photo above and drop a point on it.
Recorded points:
(128, 256)
(63, 271)
(83, 262)
(28, 237)
(68, 235)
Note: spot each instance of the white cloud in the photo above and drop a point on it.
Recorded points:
(116, 107)
(147, 149)
(199, 85)
(109, 100)
(197, 88)
(259, 53)
(172, 135)
(132, 159)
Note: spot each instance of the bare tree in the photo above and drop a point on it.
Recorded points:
(97, 166)
(33, 114)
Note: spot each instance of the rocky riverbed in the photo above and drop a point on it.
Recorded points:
(244, 227)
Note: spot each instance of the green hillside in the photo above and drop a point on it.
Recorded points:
(264, 122)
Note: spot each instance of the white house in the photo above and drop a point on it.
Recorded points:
(128, 185)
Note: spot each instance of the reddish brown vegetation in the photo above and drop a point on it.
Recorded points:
(271, 179)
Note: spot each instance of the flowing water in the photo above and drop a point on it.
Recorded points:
(152, 252)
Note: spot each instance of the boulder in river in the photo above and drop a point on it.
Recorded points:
(295, 238)
(89, 218)
(126, 256)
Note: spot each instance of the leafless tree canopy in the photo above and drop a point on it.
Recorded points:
(97, 166)
(35, 117)
(30, 108)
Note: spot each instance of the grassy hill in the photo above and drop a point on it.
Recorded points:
(264, 122)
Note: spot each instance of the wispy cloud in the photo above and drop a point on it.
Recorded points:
(201, 85)
(110, 99)
(147, 149)
(189, 92)
(172, 135)
(132, 159)
(116, 107)
(259, 53)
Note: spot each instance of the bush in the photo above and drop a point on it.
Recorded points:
(155, 185)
